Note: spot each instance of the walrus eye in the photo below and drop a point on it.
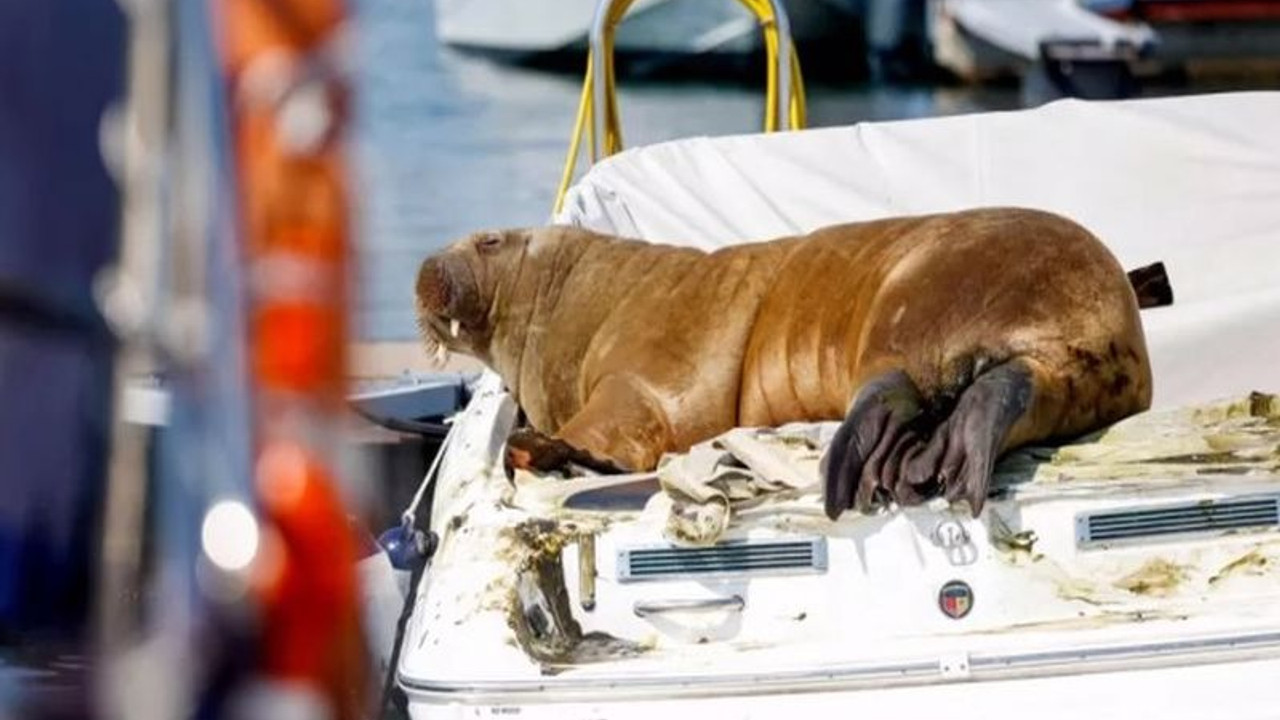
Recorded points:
(489, 242)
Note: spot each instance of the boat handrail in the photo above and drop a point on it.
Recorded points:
(598, 110)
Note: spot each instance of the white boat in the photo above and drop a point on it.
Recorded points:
(984, 39)
(534, 30)
(1095, 48)
(1136, 571)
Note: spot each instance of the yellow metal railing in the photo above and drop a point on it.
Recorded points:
(598, 111)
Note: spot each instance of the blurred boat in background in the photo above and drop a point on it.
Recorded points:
(1097, 48)
(1202, 35)
(1057, 48)
(657, 34)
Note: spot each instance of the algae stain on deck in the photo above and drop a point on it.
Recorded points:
(1253, 563)
(1230, 437)
(538, 606)
(1156, 578)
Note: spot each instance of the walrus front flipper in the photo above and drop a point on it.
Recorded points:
(621, 423)
(528, 449)
(880, 426)
(1151, 285)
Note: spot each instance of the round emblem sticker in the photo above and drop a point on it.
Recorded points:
(955, 599)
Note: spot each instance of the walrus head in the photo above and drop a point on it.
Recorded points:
(457, 288)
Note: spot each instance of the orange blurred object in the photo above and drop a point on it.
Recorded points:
(288, 105)
(291, 336)
(304, 578)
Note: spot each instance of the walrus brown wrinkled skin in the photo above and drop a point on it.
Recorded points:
(941, 340)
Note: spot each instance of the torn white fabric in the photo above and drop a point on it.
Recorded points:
(738, 470)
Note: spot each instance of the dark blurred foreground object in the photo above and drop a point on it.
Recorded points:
(60, 68)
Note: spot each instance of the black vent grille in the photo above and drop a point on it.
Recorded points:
(1166, 522)
(732, 558)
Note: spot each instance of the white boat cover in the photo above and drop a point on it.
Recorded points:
(1193, 181)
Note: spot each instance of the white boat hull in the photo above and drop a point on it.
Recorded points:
(1242, 690)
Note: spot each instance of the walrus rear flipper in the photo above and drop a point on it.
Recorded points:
(881, 421)
(1151, 283)
(885, 450)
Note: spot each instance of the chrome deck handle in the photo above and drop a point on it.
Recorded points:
(733, 603)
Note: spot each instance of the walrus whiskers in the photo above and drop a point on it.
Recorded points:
(432, 343)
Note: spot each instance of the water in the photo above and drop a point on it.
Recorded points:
(448, 143)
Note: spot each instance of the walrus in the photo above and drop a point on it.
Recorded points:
(940, 342)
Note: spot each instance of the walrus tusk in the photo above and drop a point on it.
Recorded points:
(442, 355)
(454, 327)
